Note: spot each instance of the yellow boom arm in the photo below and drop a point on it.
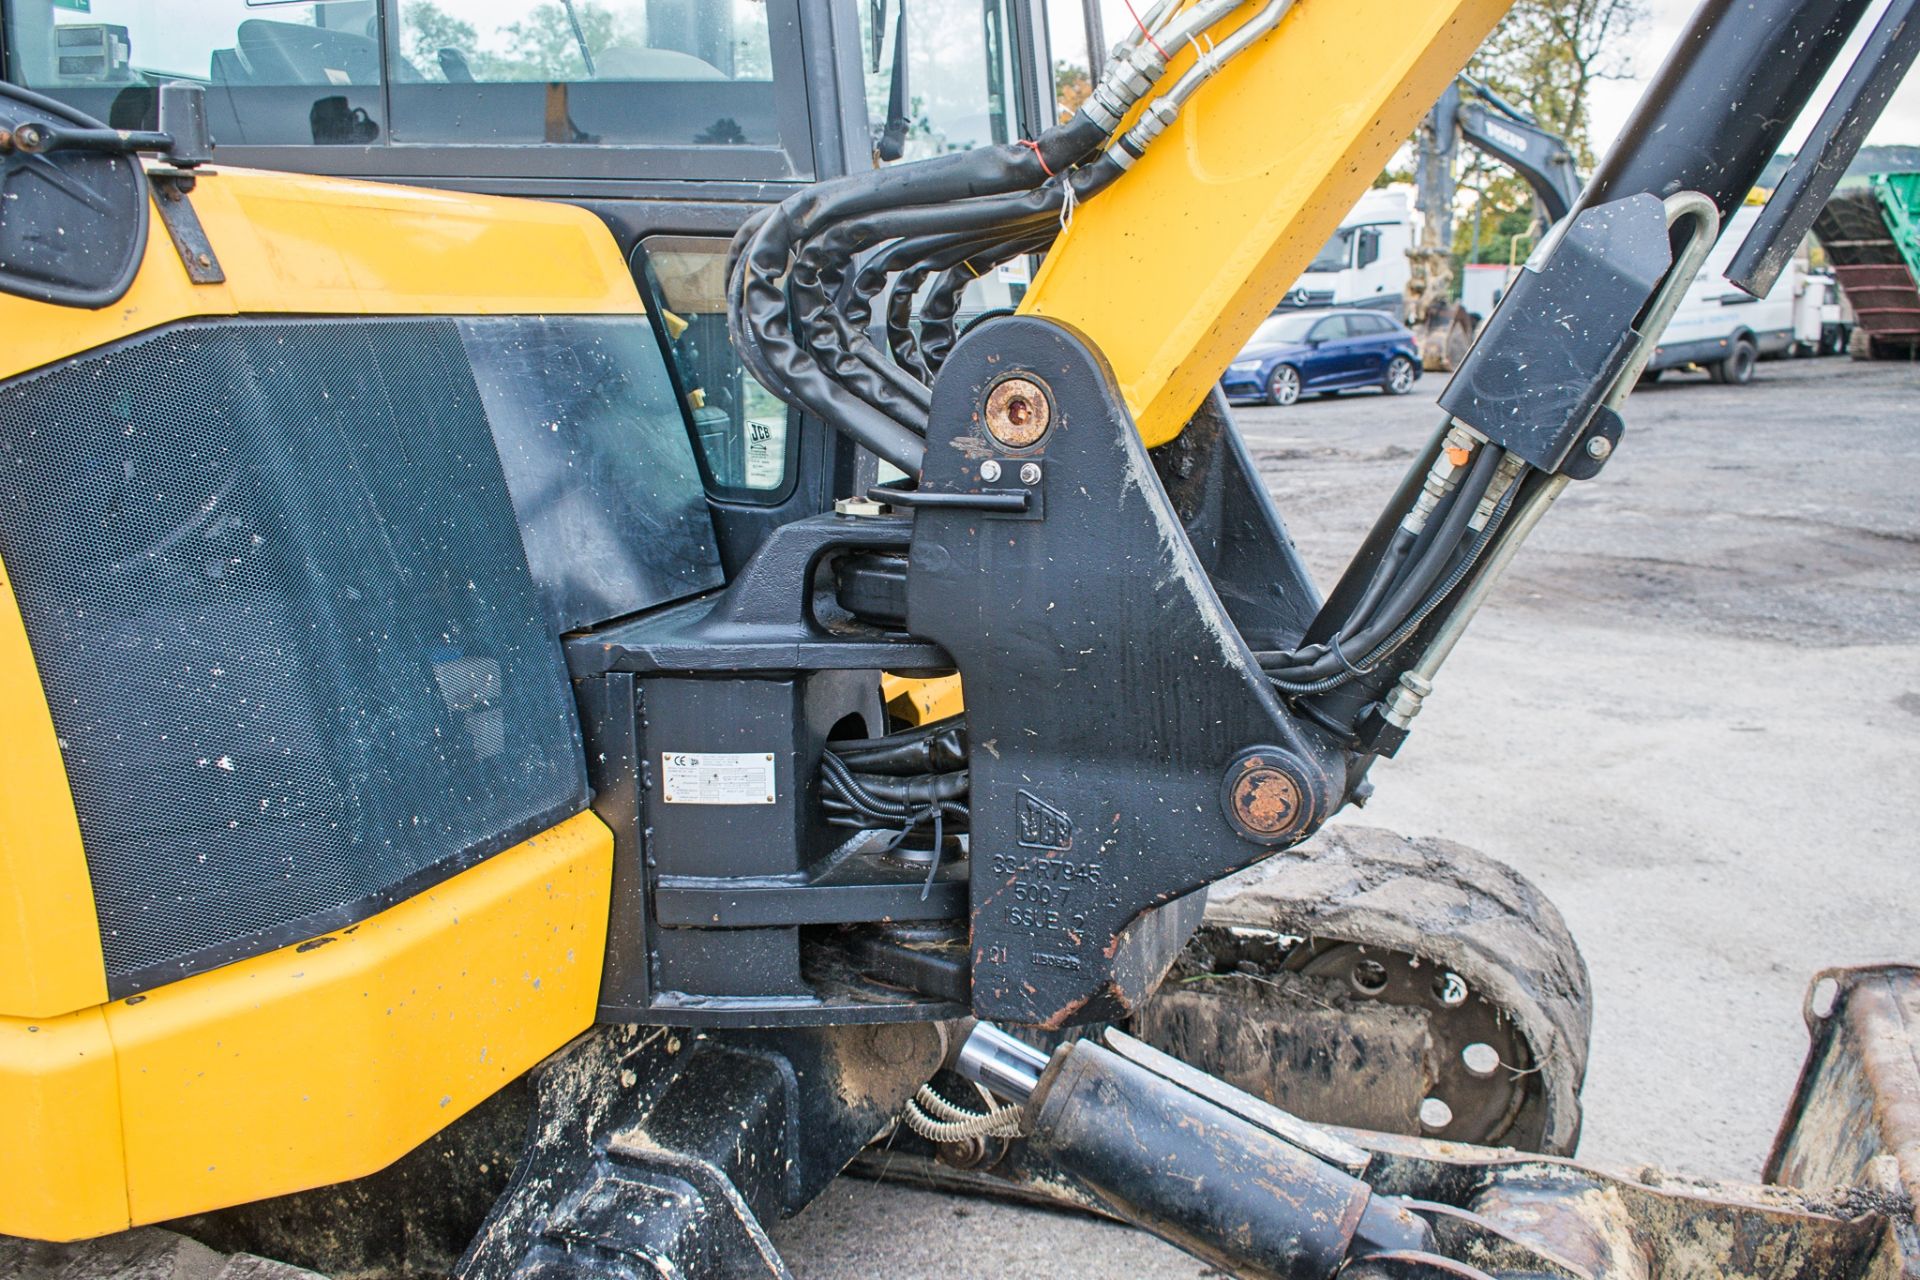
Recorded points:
(1170, 271)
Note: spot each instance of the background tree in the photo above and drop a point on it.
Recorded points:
(1545, 57)
(542, 46)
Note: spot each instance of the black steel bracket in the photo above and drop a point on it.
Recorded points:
(1564, 332)
(1112, 703)
(171, 189)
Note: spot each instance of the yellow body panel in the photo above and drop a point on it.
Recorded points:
(1170, 271)
(50, 960)
(62, 1167)
(922, 701)
(309, 1065)
(295, 244)
(329, 1059)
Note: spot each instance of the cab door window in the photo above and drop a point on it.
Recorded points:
(593, 72)
(746, 435)
(959, 72)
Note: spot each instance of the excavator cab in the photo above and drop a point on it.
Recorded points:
(328, 496)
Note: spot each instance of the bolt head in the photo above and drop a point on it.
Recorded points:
(1018, 412)
(1029, 473)
(1599, 447)
(990, 471)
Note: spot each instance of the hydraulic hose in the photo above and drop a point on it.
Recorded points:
(1318, 662)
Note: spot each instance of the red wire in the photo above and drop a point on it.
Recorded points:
(1034, 147)
(1143, 28)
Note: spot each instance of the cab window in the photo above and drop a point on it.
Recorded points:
(307, 73)
(584, 72)
(954, 76)
(941, 76)
(680, 73)
(746, 434)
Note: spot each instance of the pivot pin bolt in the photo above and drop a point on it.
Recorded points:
(1029, 473)
(990, 471)
(1599, 447)
(1018, 412)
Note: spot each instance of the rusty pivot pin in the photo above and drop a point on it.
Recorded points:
(1018, 412)
(1266, 796)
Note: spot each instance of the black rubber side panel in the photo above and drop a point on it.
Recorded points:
(275, 588)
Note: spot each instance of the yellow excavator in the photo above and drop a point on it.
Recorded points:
(548, 707)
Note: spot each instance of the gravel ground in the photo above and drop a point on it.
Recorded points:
(1691, 714)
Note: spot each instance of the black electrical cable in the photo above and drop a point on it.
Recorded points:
(939, 747)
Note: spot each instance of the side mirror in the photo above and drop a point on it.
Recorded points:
(73, 221)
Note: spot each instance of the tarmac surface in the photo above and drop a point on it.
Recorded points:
(1691, 714)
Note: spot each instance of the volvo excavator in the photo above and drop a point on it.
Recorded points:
(1472, 112)
(538, 730)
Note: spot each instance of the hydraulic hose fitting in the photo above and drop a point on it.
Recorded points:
(1456, 451)
(1000, 1064)
(1153, 122)
(1126, 81)
(1403, 703)
(1509, 471)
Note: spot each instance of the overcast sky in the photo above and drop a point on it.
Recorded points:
(1614, 101)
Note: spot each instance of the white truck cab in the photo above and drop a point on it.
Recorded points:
(1365, 263)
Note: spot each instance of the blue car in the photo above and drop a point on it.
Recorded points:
(1295, 353)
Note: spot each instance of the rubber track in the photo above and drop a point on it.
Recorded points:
(1449, 904)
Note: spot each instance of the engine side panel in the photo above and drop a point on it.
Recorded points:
(317, 1063)
(275, 587)
(50, 959)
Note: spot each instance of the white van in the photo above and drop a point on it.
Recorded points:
(1365, 264)
(1726, 332)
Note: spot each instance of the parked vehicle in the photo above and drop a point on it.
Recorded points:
(1365, 263)
(1298, 353)
(1727, 332)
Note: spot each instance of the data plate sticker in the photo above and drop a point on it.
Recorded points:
(716, 777)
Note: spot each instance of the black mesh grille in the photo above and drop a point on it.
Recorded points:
(274, 585)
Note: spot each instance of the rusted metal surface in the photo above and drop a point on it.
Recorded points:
(1264, 799)
(1018, 412)
(1468, 946)
(1306, 1044)
(1838, 1204)
(1855, 1117)
(1603, 1225)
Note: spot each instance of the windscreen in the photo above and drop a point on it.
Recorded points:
(682, 73)
(1338, 255)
